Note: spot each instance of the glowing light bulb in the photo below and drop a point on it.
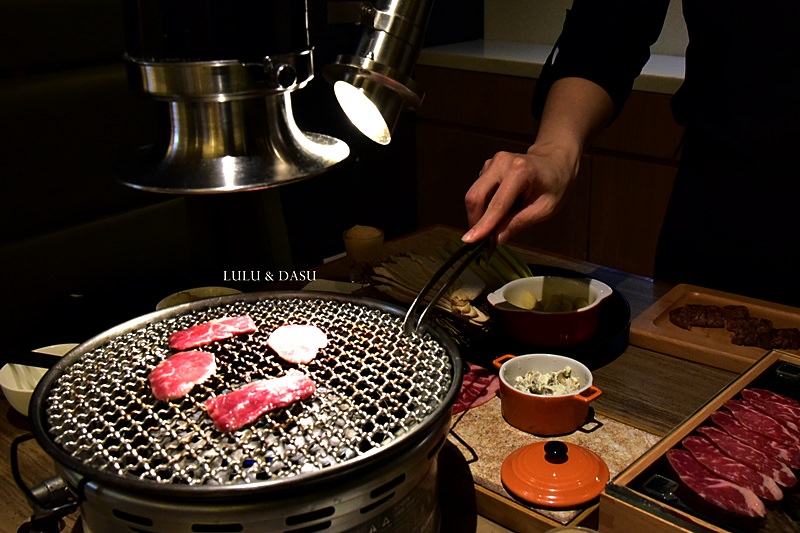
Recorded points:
(362, 112)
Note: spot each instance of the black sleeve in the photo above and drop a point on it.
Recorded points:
(605, 41)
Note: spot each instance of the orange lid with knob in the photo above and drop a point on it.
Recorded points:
(554, 474)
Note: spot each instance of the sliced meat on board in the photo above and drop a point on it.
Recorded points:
(750, 456)
(236, 409)
(478, 387)
(208, 332)
(697, 315)
(297, 343)
(758, 421)
(723, 494)
(725, 467)
(785, 453)
(747, 330)
(780, 339)
(175, 376)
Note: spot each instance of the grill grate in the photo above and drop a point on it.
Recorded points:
(374, 385)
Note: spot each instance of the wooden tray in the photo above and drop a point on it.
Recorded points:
(653, 330)
(625, 507)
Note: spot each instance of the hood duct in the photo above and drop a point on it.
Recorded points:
(223, 73)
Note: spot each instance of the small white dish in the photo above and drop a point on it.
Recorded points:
(19, 381)
(326, 285)
(191, 295)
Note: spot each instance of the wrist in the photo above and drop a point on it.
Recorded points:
(566, 155)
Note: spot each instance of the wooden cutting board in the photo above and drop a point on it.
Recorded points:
(653, 330)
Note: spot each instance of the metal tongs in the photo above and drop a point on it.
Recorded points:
(469, 252)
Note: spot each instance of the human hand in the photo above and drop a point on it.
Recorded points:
(514, 191)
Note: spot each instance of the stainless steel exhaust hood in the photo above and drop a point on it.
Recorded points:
(223, 72)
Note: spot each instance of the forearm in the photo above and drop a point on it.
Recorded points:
(517, 190)
(575, 109)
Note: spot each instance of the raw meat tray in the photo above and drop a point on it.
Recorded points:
(653, 330)
(649, 496)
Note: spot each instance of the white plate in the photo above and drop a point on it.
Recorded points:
(18, 381)
(191, 295)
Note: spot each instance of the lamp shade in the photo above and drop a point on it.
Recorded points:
(380, 70)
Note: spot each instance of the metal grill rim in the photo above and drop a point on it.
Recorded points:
(173, 447)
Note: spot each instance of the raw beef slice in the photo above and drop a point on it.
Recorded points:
(297, 343)
(238, 408)
(175, 376)
(761, 423)
(208, 332)
(782, 411)
(479, 386)
(723, 494)
(785, 453)
(750, 456)
(723, 466)
(757, 393)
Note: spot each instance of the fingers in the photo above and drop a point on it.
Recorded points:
(476, 201)
(486, 200)
(513, 191)
(492, 217)
(478, 196)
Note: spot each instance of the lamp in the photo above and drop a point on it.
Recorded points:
(374, 85)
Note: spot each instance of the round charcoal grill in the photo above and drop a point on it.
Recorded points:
(362, 448)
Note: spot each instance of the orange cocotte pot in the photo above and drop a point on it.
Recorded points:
(538, 414)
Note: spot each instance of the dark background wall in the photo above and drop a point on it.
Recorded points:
(67, 114)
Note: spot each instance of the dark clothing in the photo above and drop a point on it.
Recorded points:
(733, 220)
(732, 225)
(607, 42)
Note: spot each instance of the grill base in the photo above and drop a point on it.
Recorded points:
(401, 496)
(360, 455)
